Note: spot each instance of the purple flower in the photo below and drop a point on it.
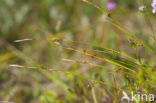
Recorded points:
(154, 6)
(130, 41)
(111, 5)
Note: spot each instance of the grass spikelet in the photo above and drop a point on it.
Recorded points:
(22, 40)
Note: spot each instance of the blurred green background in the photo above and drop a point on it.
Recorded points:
(77, 21)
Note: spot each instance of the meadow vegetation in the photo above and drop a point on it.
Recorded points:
(76, 51)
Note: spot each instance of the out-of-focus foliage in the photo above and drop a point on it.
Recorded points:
(71, 21)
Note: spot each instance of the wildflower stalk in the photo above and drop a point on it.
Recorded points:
(151, 26)
(120, 26)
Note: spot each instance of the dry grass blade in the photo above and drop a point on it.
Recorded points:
(107, 49)
(100, 58)
(101, 66)
(44, 68)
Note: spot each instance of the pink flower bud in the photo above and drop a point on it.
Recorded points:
(111, 5)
